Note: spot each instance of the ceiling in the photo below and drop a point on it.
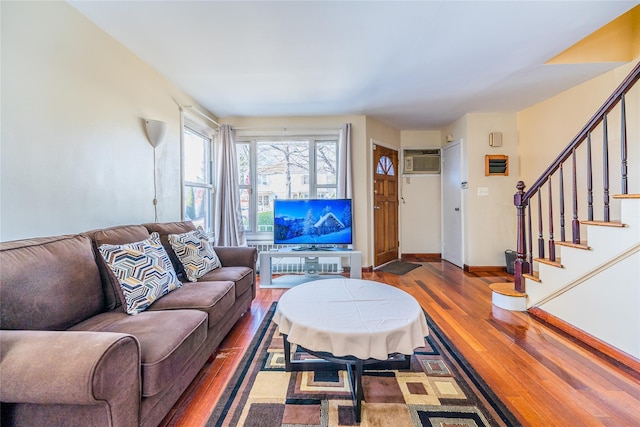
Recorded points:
(412, 65)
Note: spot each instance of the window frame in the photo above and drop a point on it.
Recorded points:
(195, 126)
(253, 141)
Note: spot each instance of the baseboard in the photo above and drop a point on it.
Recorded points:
(488, 268)
(588, 339)
(422, 257)
(367, 269)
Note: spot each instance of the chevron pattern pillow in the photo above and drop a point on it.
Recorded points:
(195, 252)
(144, 271)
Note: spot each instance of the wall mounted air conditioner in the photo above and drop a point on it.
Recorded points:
(421, 161)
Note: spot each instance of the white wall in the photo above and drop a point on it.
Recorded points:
(489, 220)
(420, 231)
(614, 295)
(546, 128)
(74, 151)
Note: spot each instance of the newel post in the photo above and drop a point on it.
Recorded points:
(521, 266)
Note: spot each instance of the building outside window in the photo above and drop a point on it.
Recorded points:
(283, 168)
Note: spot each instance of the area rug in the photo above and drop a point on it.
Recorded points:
(440, 389)
(398, 267)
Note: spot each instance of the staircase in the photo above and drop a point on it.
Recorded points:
(584, 273)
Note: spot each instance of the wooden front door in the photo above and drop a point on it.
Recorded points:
(385, 204)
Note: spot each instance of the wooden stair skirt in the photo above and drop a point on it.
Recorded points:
(588, 339)
(504, 296)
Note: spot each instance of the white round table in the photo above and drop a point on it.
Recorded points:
(350, 322)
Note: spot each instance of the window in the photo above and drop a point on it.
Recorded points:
(198, 177)
(385, 166)
(283, 168)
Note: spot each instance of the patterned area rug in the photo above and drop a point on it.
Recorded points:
(440, 389)
(398, 267)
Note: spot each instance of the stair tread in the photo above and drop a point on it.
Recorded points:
(547, 261)
(506, 288)
(605, 223)
(535, 276)
(581, 245)
(626, 196)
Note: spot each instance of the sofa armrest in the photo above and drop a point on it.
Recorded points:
(79, 368)
(236, 256)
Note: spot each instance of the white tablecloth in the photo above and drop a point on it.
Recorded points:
(352, 317)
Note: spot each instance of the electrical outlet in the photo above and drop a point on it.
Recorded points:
(483, 191)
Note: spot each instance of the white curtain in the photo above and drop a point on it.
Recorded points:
(345, 179)
(228, 227)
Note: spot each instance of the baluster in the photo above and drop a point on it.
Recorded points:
(521, 266)
(561, 184)
(540, 236)
(530, 234)
(623, 145)
(575, 224)
(552, 243)
(605, 167)
(589, 180)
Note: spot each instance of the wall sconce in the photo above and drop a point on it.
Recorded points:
(156, 131)
(156, 134)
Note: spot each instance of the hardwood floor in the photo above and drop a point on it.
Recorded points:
(545, 377)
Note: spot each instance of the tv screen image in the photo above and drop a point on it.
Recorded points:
(312, 222)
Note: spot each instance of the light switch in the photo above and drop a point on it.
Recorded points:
(483, 191)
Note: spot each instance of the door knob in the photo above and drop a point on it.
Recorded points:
(376, 207)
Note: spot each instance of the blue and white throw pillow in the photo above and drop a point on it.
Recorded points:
(195, 252)
(144, 271)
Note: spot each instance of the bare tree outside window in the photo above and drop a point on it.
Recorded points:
(296, 168)
(327, 157)
(283, 158)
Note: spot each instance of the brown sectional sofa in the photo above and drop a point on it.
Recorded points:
(71, 355)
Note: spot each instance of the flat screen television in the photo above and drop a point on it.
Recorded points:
(312, 223)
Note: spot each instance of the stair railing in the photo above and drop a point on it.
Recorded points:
(522, 200)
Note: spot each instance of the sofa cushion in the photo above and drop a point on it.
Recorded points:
(114, 298)
(166, 228)
(168, 340)
(119, 235)
(214, 298)
(48, 283)
(195, 253)
(143, 269)
(241, 276)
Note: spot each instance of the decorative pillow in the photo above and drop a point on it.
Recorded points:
(195, 252)
(143, 269)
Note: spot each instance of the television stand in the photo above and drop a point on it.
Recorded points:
(316, 248)
(355, 263)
